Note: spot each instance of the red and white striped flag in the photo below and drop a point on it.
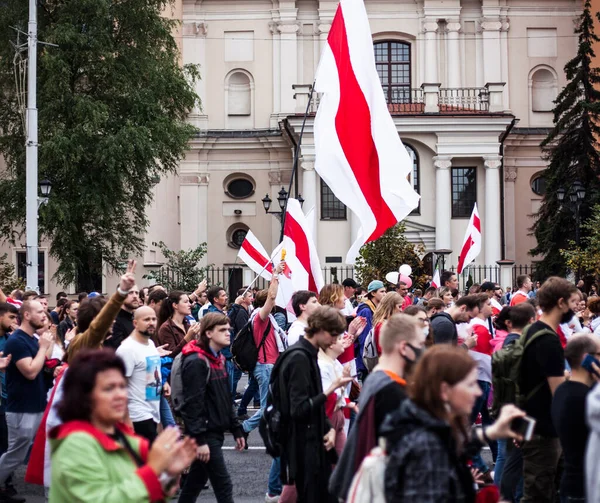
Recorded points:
(435, 282)
(358, 151)
(472, 243)
(301, 252)
(254, 255)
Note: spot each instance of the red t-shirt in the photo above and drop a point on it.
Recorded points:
(376, 333)
(270, 347)
(518, 298)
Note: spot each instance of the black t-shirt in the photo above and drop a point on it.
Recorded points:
(24, 395)
(542, 359)
(568, 415)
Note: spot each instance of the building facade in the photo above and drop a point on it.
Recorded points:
(469, 84)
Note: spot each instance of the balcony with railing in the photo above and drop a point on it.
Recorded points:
(427, 99)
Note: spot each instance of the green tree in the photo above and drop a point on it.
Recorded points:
(113, 101)
(572, 152)
(181, 270)
(586, 258)
(8, 276)
(387, 254)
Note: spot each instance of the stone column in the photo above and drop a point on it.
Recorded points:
(504, 53)
(431, 60)
(510, 177)
(288, 64)
(193, 213)
(443, 202)
(194, 52)
(492, 223)
(454, 64)
(276, 73)
(491, 50)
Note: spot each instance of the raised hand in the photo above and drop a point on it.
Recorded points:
(357, 326)
(128, 279)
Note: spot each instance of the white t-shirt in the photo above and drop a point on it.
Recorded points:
(295, 331)
(144, 379)
(348, 309)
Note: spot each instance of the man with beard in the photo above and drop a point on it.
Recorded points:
(443, 325)
(26, 390)
(124, 322)
(402, 342)
(309, 438)
(142, 369)
(542, 371)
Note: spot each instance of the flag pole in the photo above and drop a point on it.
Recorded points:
(296, 157)
(254, 280)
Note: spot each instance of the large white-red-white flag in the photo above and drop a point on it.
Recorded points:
(254, 255)
(358, 152)
(472, 243)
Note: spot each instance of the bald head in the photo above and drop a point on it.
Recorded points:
(144, 321)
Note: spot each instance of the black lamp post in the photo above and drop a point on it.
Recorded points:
(576, 196)
(282, 199)
(45, 189)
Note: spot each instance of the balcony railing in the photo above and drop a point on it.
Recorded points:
(427, 99)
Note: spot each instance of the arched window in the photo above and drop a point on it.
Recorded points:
(393, 66)
(414, 177)
(239, 93)
(538, 184)
(544, 89)
(236, 234)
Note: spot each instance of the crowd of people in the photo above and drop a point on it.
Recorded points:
(129, 398)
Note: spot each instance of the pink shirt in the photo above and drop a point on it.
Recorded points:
(270, 346)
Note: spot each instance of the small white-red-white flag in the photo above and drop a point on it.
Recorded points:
(358, 152)
(435, 282)
(254, 255)
(472, 243)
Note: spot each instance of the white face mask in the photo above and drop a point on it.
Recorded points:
(426, 331)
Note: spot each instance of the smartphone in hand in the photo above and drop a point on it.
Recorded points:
(523, 426)
(587, 364)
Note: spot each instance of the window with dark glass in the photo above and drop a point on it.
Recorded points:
(240, 188)
(237, 237)
(538, 185)
(22, 268)
(393, 66)
(413, 178)
(331, 207)
(464, 191)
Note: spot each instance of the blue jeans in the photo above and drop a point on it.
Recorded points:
(275, 486)
(250, 393)
(262, 373)
(500, 459)
(166, 414)
(234, 374)
(486, 420)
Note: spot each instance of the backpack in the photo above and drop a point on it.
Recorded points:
(368, 484)
(244, 350)
(370, 354)
(506, 371)
(177, 382)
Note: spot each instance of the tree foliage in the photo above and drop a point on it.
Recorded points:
(113, 101)
(8, 276)
(387, 254)
(181, 270)
(572, 152)
(586, 258)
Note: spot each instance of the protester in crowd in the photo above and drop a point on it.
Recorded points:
(428, 439)
(68, 319)
(350, 287)
(542, 371)
(434, 306)
(335, 406)
(123, 325)
(568, 416)
(144, 378)
(445, 294)
(524, 286)
(420, 313)
(402, 290)
(359, 293)
(444, 324)
(592, 324)
(97, 458)
(449, 280)
(155, 300)
(309, 438)
(402, 344)
(207, 409)
(427, 296)
(375, 294)
(418, 295)
(61, 299)
(535, 288)
(239, 315)
(304, 303)
(25, 389)
(391, 304)
(175, 331)
(8, 323)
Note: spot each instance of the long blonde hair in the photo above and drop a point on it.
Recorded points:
(387, 307)
(331, 294)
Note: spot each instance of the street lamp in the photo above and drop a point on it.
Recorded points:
(282, 198)
(576, 196)
(45, 189)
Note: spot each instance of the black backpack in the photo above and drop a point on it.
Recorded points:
(244, 350)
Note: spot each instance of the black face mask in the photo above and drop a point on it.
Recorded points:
(566, 317)
(411, 363)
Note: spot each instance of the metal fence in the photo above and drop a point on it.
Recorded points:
(476, 274)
